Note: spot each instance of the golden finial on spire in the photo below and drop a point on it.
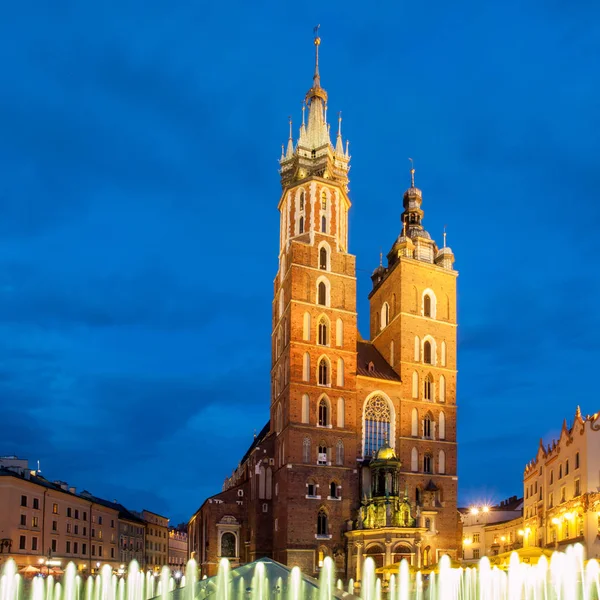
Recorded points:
(303, 111)
(290, 121)
(317, 44)
(380, 258)
(404, 228)
(444, 236)
(412, 172)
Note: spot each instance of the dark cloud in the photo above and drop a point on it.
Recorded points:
(138, 221)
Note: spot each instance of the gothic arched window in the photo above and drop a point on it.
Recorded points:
(301, 225)
(427, 352)
(323, 224)
(323, 420)
(428, 388)
(427, 305)
(427, 426)
(323, 372)
(324, 200)
(322, 294)
(323, 258)
(322, 528)
(323, 336)
(333, 490)
(377, 424)
(339, 453)
(302, 200)
(427, 466)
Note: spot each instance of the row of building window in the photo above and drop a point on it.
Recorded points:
(324, 453)
(70, 547)
(428, 308)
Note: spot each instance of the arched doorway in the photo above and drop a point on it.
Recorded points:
(402, 551)
(377, 553)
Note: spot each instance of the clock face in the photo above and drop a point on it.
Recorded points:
(301, 173)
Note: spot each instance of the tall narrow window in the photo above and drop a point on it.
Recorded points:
(392, 353)
(333, 490)
(302, 200)
(324, 224)
(306, 327)
(323, 258)
(442, 389)
(341, 412)
(377, 424)
(427, 305)
(323, 372)
(339, 453)
(322, 528)
(323, 337)
(323, 418)
(306, 450)
(414, 422)
(427, 426)
(443, 354)
(442, 426)
(322, 294)
(305, 408)
(415, 384)
(414, 460)
(417, 355)
(385, 315)
(427, 352)
(301, 225)
(339, 333)
(428, 388)
(427, 467)
(340, 372)
(306, 367)
(323, 201)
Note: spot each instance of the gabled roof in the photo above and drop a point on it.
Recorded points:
(369, 355)
(257, 440)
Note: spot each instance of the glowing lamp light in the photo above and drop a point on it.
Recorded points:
(503, 538)
(555, 521)
(474, 510)
(568, 516)
(521, 532)
(467, 541)
(485, 509)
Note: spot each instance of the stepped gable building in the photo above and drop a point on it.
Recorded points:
(359, 456)
(562, 489)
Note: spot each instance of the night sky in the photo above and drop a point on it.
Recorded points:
(139, 227)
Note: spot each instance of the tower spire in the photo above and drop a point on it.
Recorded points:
(412, 172)
(316, 76)
(444, 236)
(290, 144)
(339, 144)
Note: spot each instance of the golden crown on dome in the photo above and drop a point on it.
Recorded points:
(412, 191)
(386, 452)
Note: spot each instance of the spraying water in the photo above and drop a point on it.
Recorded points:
(566, 576)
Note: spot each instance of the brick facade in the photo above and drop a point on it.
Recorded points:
(296, 493)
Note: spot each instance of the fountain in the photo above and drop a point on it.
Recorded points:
(566, 576)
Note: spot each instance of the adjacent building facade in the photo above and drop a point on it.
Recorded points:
(561, 485)
(48, 522)
(492, 530)
(157, 540)
(178, 549)
(314, 482)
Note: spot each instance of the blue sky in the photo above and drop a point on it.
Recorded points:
(138, 221)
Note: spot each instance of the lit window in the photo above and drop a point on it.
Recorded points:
(323, 201)
(377, 424)
(322, 455)
(302, 200)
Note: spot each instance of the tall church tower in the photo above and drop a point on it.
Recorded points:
(313, 412)
(413, 325)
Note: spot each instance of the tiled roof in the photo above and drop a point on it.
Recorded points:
(368, 354)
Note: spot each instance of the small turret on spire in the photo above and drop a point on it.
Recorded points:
(339, 144)
(290, 144)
